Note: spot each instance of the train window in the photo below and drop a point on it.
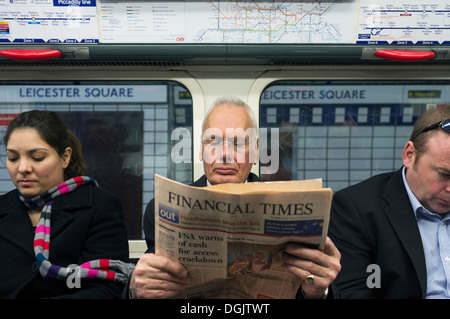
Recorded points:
(340, 131)
(125, 128)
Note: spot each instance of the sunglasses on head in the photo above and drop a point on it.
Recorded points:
(445, 125)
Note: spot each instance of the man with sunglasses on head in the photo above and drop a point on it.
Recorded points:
(229, 150)
(393, 229)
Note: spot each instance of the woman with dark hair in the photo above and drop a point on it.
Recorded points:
(61, 236)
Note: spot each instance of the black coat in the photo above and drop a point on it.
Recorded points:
(86, 224)
(373, 223)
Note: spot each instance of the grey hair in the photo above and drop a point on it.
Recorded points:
(230, 100)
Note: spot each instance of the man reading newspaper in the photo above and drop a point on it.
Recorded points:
(161, 277)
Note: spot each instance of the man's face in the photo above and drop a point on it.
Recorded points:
(228, 150)
(429, 175)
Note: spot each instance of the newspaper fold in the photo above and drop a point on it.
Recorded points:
(230, 237)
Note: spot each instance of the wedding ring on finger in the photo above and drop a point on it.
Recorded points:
(310, 279)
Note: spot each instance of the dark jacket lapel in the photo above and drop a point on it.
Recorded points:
(65, 205)
(402, 218)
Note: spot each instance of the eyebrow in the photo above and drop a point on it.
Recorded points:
(442, 169)
(29, 151)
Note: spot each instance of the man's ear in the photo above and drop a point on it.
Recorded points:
(409, 154)
(201, 153)
(256, 149)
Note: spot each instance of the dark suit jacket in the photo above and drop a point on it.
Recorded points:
(373, 223)
(86, 224)
(149, 215)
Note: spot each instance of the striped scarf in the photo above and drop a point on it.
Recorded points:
(113, 270)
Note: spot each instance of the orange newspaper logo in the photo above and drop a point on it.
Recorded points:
(5, 119)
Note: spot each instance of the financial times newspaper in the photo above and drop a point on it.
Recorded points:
(230, 237)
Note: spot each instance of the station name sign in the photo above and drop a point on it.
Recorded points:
(84, 93)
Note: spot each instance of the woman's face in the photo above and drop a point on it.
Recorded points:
(33, 165)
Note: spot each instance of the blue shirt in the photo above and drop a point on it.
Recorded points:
(435, 233)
